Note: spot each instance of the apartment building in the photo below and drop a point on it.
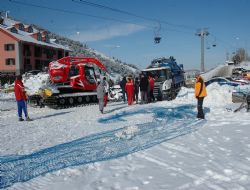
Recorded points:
(24, 48)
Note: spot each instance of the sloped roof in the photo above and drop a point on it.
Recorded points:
(26, 37)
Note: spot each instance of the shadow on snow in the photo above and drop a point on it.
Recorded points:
(168, 123)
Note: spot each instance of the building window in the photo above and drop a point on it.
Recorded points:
(10, 61)
(46, 38)
(38, 64)
(30, 29)
(9, 47)
(26, 50)
(49, 53)
(59, 54)
(27, 65)
(66, 53)
(13, 30)
(39, 37)
(21, 27)
(38, 51)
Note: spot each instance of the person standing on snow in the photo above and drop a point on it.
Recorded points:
(106, 87)
(122, 85)
(130, 91)
(136, 90)
(151, 89)
(21, 98)
(144, 89)
(100, 95)
(200, 94)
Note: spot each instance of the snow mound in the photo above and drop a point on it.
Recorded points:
(185, 95)
(217, 95)
(32, 83)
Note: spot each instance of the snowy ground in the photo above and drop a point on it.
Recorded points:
(154, 146)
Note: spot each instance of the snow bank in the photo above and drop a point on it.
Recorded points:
(217, 96)
(32, 83)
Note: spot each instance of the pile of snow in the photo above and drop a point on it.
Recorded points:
(185, 95)
(217, 96)
(33, 83)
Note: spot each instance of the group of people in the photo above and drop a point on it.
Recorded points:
(131, 88)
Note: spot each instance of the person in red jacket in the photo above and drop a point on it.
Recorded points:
(130, 91)
(151, 87)
(21, 98)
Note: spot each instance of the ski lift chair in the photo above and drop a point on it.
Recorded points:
(157, 39)
(214, 43)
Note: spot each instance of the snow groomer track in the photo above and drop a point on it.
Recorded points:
(168, 123)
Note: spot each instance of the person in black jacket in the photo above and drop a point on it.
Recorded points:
(136, 90)
(144, 89)
(122, 85)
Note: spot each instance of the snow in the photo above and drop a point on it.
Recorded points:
(152, 146)
(33, 83)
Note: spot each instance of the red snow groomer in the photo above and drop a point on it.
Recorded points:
(72, 82)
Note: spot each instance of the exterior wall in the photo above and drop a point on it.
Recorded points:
(24, 55)
(38, 62)
(5, 39)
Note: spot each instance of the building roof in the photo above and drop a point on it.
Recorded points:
(26, 37)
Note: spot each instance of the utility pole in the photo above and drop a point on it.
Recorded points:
(202, 33)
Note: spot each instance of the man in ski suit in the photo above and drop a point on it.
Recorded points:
(200, 94)
(130, 91)
(21, 98)
(100, 95)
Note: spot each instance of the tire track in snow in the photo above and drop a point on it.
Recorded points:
(167, 124)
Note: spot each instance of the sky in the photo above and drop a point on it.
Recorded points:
(126, 29)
